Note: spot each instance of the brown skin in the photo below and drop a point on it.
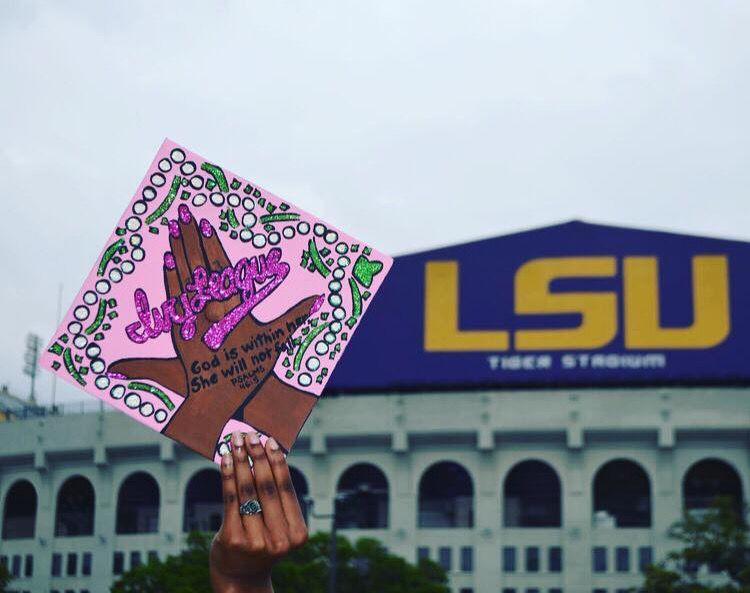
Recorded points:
(245, 549)
(266, 403)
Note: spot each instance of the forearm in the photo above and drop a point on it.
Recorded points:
(221, 584)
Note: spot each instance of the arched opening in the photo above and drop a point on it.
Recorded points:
(362, 498)
(622, 495)
(138, 505)
(203, 502)
(531, 496)
(708, 480)
(300, 488)
(19, 514)
(446, 497)
(75, 508)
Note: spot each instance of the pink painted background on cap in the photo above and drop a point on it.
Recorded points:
(145, 254)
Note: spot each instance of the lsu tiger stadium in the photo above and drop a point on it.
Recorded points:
(531, 411)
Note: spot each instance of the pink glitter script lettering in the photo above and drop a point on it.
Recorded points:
(241, 278)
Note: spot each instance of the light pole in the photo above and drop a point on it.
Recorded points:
(33, 342)
(332, 549)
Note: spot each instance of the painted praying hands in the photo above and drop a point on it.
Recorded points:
(224, 357)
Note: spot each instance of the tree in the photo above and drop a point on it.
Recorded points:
(5, 578)
(186, 573)
(363, 567)
(717, 539)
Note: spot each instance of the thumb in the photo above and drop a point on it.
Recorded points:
(168, 372)
(303, 309)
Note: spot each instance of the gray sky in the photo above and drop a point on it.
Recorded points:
(378, 116)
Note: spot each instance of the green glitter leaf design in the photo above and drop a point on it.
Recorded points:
(218, 174)
(364, 270)
(153, 391)
(167, 202)
(109, 253)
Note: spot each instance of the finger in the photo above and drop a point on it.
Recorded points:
(232, 525)
(178, 252)
(167, 372)
(289, 501)
(190, 239)
(273, 514)
(301, 311)
(174, 291)
(253, 524)
(171, 280)
(215, 255)
(217, 260)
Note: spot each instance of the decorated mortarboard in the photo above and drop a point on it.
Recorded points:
(214, 307)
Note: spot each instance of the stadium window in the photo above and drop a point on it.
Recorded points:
(69, 591)
(446, 497)
(645, 558)
(4, 562)
(15, 570)
(708, 480)
(86, 564)
(554, 559)
(56, 568)
(467, 559)
(599, 559)
(532, 559)
(445, 558)
(555, 590)
(532, 590)
(203, 502)
(74, 515)
(118, 563)
(300, 488)
(19, 513)
(466, 590)
(71, 564)
(423, 553)
(362, 498)
(135, 559)
(622, 559)
(84, 591)
(622, 495)
(28, 566)
(509, 559)
(599, 591)
(509, 590)
(153, 556)
(138, 505)
(531, 495)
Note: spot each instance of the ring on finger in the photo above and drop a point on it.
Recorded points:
(250, 507)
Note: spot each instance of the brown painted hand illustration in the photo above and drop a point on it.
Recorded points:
(225, 357)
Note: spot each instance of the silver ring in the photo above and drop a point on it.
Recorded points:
(250, 507)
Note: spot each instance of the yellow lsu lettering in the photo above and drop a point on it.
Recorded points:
(598, 309)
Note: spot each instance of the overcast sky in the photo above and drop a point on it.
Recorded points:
(378, 116)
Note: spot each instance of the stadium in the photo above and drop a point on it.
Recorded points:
(532, 411)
